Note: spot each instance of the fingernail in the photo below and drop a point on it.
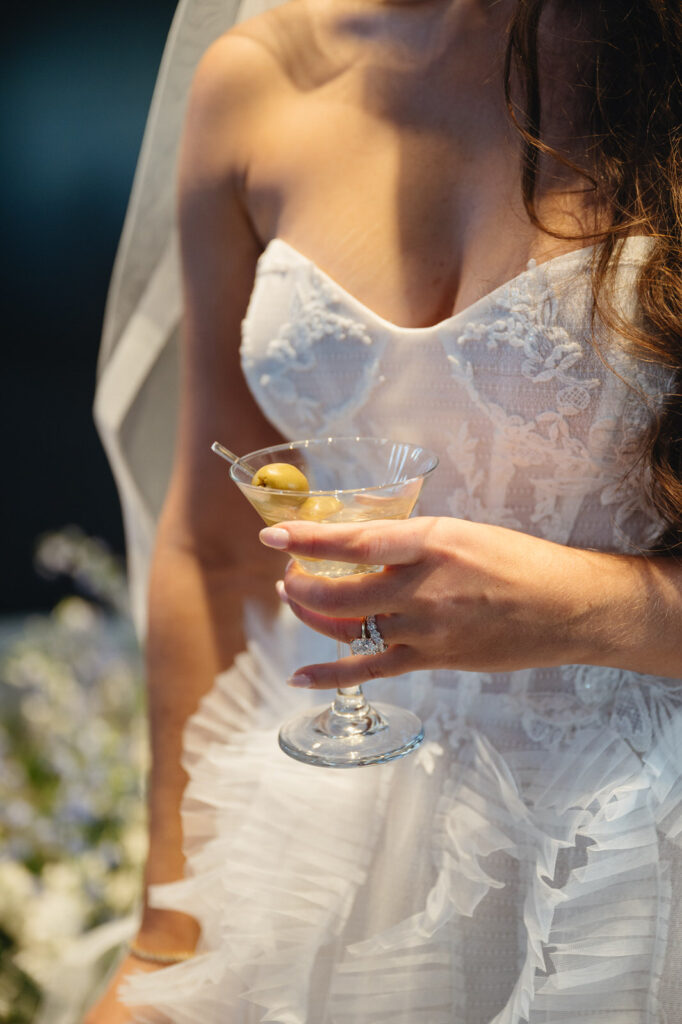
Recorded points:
(301, 680)
(281, 592)
(275, 537)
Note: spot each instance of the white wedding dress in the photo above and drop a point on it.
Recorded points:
(524, 865)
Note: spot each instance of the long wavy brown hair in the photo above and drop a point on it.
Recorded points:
(630, 106)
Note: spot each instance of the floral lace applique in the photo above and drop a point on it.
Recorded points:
(594, 685)
(465, 502)
(552, 719)
(543, 442)
(637, 707)
(631, 718)
(447, 721)
(316, 334)
(633, 515)
(530, 325)
(563, 463)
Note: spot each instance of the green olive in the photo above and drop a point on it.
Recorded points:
(319, 507)
(280, 476)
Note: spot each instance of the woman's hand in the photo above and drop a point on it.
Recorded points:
(457, 595)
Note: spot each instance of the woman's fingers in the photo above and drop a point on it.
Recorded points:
(379, 542)
(349, 597)
(342, 629)
(353, 671)
(336, 607)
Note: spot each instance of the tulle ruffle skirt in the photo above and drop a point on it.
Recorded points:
(495, 875)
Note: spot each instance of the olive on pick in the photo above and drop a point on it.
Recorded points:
(280, 476)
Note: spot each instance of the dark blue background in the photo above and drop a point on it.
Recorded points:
(76, 83)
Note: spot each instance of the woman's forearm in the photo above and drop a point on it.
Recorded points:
(195, 631)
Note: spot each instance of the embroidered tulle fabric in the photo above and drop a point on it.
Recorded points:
(524, 865)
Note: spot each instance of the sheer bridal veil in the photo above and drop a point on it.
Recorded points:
(137, 391)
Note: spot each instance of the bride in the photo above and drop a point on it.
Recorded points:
(454, 222)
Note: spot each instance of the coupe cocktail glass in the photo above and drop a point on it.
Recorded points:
(351, 479)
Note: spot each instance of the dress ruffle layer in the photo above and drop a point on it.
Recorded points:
(484, 879)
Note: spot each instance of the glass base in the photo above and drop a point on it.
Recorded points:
(314, 737)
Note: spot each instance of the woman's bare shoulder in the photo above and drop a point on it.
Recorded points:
(277, 47)
(238, 79)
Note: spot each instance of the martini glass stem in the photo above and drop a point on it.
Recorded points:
(350, 702)
(350, 714)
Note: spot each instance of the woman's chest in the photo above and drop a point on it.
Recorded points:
(418, 220)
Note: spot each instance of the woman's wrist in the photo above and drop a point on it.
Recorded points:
(166, 932)
(600, 600)
(629, 613)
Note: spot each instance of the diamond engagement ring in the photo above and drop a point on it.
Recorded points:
(371, 641)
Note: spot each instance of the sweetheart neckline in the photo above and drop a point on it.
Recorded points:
(441, 324)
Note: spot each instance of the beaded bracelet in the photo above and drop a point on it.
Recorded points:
(157, 958)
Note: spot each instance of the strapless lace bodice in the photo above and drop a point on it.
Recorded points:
(532, 429)
(524, 866)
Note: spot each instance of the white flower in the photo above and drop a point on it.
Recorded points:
(134, 842)
(57, 910)
(122, 889)
(17, 889)
(76, 615)
(72, 739)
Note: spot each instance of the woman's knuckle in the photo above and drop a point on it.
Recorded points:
(313, 544)
(305, 590)
(323, 599)
(365, 546)
(374, 668)
(435, 532)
